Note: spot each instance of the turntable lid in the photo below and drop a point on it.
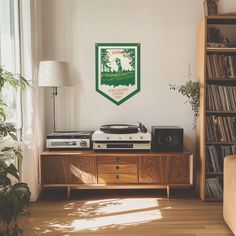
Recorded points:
(119, 129)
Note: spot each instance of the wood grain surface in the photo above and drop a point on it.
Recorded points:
(68, 170)
(122, 213)
(164, 170)
(117, 179)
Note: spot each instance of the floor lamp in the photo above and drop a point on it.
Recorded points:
(53, 74)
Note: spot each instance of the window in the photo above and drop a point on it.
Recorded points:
(10, 53)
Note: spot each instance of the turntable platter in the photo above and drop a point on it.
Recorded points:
(119, 129)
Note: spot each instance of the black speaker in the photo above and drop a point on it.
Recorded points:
(167, 138)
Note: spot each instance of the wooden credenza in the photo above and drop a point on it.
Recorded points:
(116, 170)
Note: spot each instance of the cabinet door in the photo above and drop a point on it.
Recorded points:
(164, 169)
(68, 170)
(83, 170)
(54, 170)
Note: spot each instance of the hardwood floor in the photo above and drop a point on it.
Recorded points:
(126, 212)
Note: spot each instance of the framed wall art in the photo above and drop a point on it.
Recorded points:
(118, 70)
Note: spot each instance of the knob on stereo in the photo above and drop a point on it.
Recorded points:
(83, 144)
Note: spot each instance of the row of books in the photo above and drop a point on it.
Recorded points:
(215, 156)
(221, 66)
(220, 98)
(214, 35)
(221, 129)
(214, 188)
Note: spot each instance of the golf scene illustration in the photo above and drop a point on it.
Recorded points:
(118, 67)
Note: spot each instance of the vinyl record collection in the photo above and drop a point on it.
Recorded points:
(220, 128)
(221, 98)
(214, 188)
(221, 66)
(215, 156)
(214, 164)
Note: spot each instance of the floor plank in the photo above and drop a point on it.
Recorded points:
(127, 213)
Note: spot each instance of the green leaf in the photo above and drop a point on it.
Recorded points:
(4, 180)
(7, 149)
(12, 151)
(8, 129)
(13, 136)
(23, 82)
(18, 154)
(13, 171)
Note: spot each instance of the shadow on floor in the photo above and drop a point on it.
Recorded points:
(58, 194)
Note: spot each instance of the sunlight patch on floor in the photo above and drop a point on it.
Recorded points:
(114, 213)
(123, 205)
(121, 220)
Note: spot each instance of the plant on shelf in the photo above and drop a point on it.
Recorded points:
(191, 89)
(14, 195)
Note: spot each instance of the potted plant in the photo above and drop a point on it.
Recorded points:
(191, 90)
(14, 195)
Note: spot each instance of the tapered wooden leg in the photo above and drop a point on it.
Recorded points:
(168, 191)
(68, 192)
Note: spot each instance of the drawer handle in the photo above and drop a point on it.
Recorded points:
(117, 177)
(117, 167)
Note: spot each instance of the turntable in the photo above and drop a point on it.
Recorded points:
(121, 137)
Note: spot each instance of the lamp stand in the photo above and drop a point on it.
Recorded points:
(54, 93)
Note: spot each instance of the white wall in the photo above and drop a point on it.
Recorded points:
(225, 6)
(166, 31)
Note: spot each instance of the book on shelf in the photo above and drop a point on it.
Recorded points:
(214, 188)
(213, 161)
(214, 35)
(232, 66)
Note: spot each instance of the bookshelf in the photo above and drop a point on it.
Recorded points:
(216, 133)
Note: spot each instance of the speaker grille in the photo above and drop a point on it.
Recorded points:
(167, 139)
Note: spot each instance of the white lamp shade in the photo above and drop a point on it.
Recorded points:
(53, 74)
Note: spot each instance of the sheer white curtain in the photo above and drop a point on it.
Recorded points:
(33, 131)
(10, 60)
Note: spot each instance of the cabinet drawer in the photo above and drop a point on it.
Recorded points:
(117, 168)
(117, 178)
(115, 160)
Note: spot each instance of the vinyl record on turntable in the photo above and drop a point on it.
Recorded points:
(119, 129)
